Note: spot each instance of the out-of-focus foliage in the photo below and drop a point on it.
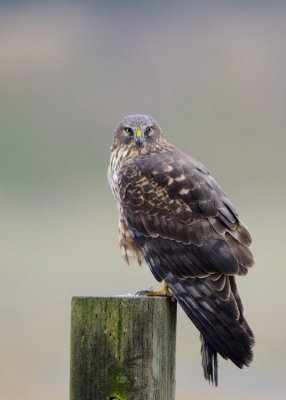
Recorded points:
(213, 75)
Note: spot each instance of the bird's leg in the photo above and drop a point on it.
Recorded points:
(165, 291)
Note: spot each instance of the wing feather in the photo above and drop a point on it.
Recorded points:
(172, 196)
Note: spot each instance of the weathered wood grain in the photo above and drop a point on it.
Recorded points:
(123, 348)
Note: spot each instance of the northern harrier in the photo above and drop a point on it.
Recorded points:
(173, 214)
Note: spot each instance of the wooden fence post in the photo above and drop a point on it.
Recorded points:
(123, 348)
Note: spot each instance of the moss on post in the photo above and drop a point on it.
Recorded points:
(123, 348)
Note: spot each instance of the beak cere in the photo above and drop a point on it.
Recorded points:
(139, 137)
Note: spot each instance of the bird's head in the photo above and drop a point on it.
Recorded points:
(138, 132)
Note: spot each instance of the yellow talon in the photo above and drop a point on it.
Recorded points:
(165, 291)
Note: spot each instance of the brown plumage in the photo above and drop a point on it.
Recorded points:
(173, 214)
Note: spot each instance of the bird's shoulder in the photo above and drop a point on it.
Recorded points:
(174, 175)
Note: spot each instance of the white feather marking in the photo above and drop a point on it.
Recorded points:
(168, 168)
(124, 153)
(181, 178)
(129, 253)
(184, 191)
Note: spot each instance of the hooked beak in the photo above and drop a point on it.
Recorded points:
(139, 137)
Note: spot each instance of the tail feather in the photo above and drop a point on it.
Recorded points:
(218, 317)
(209, 362)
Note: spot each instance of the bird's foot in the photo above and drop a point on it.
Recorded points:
(165, 291)
(144, 292)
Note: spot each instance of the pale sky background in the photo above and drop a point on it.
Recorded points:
(213, 76)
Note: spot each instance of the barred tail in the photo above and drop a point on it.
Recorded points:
(214, 306)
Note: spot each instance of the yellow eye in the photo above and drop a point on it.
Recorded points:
(148, 131)
(128, 131)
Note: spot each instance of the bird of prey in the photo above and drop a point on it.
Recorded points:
(175, 216)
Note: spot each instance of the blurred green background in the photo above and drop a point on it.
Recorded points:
(213, 75)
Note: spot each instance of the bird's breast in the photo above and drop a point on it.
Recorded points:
(118, 156)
